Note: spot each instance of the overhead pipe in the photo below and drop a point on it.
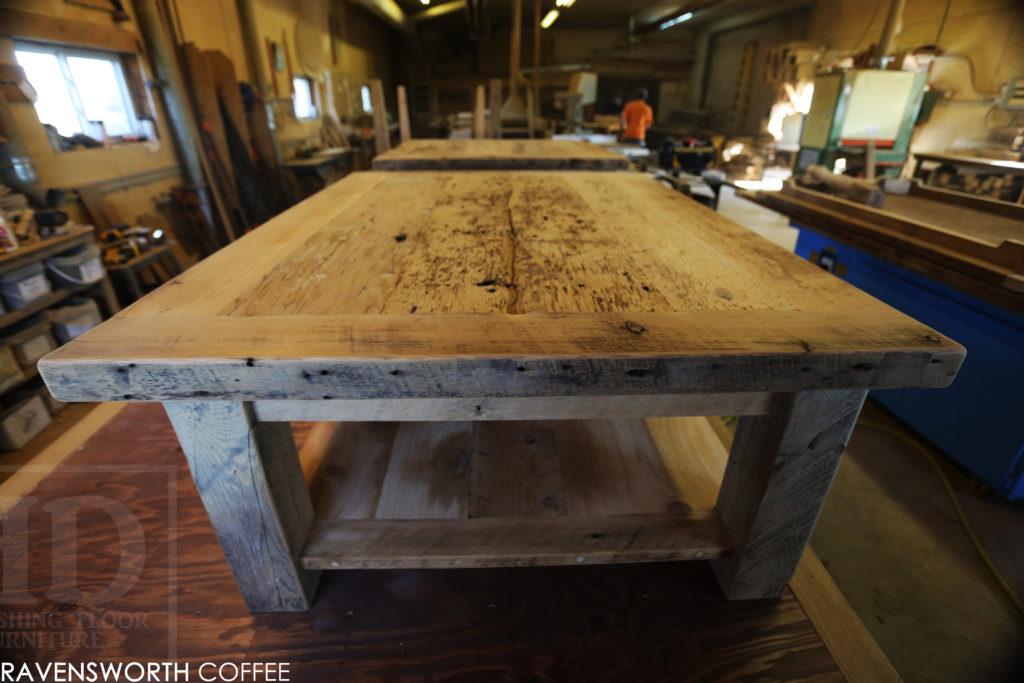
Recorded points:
(893, 24)
(254, 52)
(16, 168)
(172, 89)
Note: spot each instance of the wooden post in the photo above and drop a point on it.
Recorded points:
(869, 161)
(494, 122)
(515, 44)
(780, 469)
(381, 134)
(535, 75)
(403, 115)
(251, 483)
(479, 120)
(529, 113)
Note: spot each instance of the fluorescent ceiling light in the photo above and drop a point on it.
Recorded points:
(672, 22)
(564, 3)
(549, 18)
(424, 2)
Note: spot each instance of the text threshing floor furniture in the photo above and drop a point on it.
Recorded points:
(493, 155)
(519, 326)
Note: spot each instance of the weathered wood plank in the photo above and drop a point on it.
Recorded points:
(347, 481)
(613, 467)
(526, 355)
(536, 468)
(427, 472)
(461, 155)
(514, 408)
(251, 484)
(779, 471)
(381, 130)
(515, 471)
(513, 542)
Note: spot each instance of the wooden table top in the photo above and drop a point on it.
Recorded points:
(388, 285)
(524, 155)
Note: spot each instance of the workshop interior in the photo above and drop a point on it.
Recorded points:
(508, 340)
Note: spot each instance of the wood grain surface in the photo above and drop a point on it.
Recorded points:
(462, 278)
(492, 494)
(656, 621)
(480, 155)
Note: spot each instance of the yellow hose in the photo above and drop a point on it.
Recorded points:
(956, 506)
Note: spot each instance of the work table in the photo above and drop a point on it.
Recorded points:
(520, 155)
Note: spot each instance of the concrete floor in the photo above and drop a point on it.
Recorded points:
(895, 547)
(891, 540)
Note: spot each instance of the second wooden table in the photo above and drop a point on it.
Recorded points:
(571, 305)
(521, 155)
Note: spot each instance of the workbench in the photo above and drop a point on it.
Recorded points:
(928, 165)
(496, 339)
(521, 155)
(956, 262)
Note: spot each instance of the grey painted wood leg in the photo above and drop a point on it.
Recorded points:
(249, 477)
(780, 469)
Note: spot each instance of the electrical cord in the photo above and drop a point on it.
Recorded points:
(956, 506)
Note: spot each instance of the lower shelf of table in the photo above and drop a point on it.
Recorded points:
(494, 494)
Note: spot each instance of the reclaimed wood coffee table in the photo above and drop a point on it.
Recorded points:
(519, 326)
(492, 155)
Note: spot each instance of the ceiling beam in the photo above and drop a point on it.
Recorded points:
(439, 10)
(389, 11)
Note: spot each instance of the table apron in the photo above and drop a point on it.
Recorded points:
(513, 408)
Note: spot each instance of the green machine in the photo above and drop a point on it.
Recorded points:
(853, 108)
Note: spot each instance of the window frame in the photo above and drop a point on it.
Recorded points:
(62, 52)
(314, 105)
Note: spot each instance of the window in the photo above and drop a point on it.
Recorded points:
(81, 91)
(305, 107)
(367, 103)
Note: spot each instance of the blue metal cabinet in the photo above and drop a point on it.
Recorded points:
(979, 420)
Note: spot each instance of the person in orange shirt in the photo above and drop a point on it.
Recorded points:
(637, 117)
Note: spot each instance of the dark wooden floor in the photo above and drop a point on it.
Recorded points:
(167, 593)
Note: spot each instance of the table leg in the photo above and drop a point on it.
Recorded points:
(249, 477)
(131, 279)
(780, 469)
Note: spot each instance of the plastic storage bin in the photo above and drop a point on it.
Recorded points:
(30, 340)
(79, 266)
(10, 371)
(78, 316)
(25, 285)
(52, 404)
(22, 421)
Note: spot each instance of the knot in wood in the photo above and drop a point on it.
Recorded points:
(635, 328)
